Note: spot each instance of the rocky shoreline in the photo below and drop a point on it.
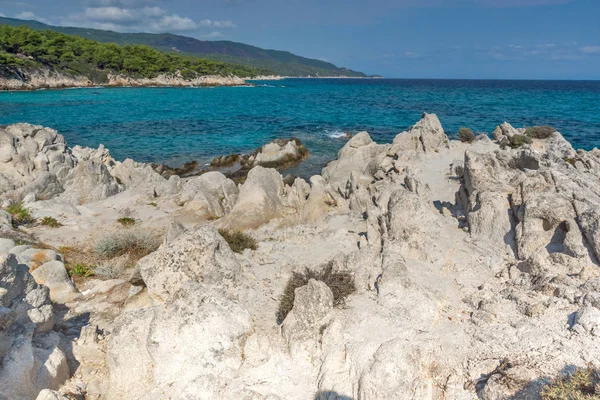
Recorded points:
(48, 79)
(442, 268)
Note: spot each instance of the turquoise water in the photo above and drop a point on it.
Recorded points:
(175, 125)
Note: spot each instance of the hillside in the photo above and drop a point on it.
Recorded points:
(58, 60)
(280, 62)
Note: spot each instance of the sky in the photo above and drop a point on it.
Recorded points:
(479, 39)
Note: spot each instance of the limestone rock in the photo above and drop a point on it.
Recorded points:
(259, 200)
(54, 275)
(211, 195)
(199, 255)
(30, 356)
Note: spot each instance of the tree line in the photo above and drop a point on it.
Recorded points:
(25, 47)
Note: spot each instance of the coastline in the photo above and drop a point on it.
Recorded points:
(49, 80)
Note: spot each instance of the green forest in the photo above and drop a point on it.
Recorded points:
(23, 47)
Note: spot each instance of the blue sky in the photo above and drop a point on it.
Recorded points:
(542, 39)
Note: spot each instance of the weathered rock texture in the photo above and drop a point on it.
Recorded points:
(475, 267)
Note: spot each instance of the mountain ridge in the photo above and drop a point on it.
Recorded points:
(280, 62)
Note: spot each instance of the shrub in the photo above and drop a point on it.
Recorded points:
(153, 204)
(51, 222)
(20, 215)
(583, 384)
(466, 135)
(238, 241)
(110, 269)
(126, 221)
(540, 132)
(81, 270)
(570, 160)
(341, 285)
(136, 243)
(518, 140)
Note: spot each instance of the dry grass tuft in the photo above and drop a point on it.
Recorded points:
(341, 285)
(238, 241)
(540, 132)
(583, 384)
(466, 135)
(19, 213)
(38, 259)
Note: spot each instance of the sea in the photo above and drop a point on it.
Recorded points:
(176, 125)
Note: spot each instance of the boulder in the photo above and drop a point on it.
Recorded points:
(156, 353)
(54, 275)
(199, 255)
(30, 355)
(211, 195)
(259, 200)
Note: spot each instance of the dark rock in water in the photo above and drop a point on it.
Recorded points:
(188, 169)
(225, 161)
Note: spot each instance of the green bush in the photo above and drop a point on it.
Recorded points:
(583, 384)
(126, 221)
(341, 285)
(238, 241)
(540, 132)
(51, 222)
(20, 214)
(519, 140)
(466, 135)
(81, 270)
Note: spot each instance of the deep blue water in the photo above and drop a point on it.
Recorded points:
(174, 125)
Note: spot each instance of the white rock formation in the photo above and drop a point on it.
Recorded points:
(475, 267)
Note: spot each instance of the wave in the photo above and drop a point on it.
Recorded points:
(335, 133)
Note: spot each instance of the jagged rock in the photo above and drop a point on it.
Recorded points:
(278, 154)
(142, 177)
(211, 195)
(30, 356)
(199, 255)
(176, 361)
(54, 275)
(357, 156)
(312, 305)
(589, 318)
(259, 200)
(503, 131)
(89, 181)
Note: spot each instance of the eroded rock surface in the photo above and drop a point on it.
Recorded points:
(475, 268)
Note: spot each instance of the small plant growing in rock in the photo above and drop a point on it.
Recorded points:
(570, 160)
(152, 204)
(540, 132)
(136, 243)
(583, 384)
(81, 270)
(110, 269)
(51, 222)
(238, 241)
(126, 221)
(20, 214)
(516, 141)
(37, 259)
(466, 135)
(341, 285)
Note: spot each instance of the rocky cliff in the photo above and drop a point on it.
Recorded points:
(425, 268)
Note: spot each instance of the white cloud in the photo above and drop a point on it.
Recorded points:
(2, 15)
(410, 54)
(590, 49)
(28, 15)
(545, 46)
(138, 16)
(117, 18)
(207, 23)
